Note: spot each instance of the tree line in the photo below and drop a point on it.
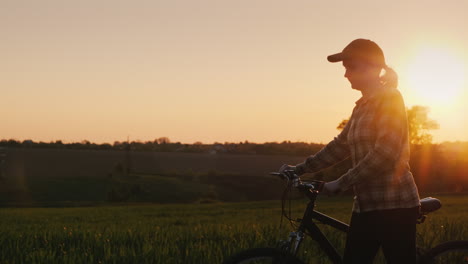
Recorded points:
(165, 145)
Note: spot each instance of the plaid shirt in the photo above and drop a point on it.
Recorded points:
(376, 139)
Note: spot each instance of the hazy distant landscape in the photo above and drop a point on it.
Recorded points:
(64, 176)
(38, 176)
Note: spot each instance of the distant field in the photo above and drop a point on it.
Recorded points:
(93, 163)
(190, 233)
(36, 177)
(66, 177)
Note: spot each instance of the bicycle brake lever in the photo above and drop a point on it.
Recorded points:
(279, 174)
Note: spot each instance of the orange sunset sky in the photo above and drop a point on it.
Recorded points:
(218, 70)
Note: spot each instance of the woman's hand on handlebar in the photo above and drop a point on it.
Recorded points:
(286, 168)
(331, 187)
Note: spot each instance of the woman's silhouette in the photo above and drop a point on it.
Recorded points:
(386, 202)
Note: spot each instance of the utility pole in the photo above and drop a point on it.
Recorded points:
(2, 163)
(128, 158)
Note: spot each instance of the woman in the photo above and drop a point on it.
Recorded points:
(386, 202)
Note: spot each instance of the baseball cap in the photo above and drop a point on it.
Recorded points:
(360, 49)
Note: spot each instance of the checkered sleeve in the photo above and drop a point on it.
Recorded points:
(334, 152)
(391, 133)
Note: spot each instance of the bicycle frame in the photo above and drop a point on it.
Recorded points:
(307, 224)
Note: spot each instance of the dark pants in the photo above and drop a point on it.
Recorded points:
(394, 230)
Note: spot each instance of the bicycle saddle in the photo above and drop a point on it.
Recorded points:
(430, 204)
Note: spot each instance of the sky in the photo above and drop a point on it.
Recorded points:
(218, 70)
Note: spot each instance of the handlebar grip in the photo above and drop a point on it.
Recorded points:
(288, 174)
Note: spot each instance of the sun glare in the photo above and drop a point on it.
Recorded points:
(435, 77)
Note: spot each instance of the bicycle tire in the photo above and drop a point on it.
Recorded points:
(452, 252)
(263, 255)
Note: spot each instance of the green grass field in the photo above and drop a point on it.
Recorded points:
(189, 233)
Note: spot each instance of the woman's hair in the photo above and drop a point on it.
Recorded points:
(390, 78)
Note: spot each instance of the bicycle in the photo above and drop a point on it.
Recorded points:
(452, 252)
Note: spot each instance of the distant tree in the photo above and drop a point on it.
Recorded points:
(419, 125)
(163, 140)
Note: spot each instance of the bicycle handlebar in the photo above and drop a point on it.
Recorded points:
(310, 186)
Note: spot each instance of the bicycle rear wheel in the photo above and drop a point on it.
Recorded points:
(453, 252)
(263, 256)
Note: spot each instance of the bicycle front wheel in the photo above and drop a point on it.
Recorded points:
(263, 256)
(453, 252)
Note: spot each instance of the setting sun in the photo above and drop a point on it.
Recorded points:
(436, 77)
